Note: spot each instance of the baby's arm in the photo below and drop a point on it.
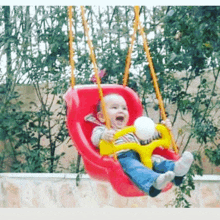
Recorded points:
(108, 135)
(97, 134)
(101, 132)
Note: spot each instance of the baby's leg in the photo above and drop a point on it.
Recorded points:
(162, 165)
(163, 179)
(142, 177)
(183, 165)
(180, 167)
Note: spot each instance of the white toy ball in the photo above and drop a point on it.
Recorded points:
(145, 128)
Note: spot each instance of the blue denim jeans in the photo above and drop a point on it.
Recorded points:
(142, 176)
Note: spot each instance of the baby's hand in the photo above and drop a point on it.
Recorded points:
(167, 123)
(108, 135)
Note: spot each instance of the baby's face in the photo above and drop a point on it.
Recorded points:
(117, 111)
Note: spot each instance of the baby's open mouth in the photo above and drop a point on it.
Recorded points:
(120, 118)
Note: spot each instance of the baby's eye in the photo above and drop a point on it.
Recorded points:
(114, 107)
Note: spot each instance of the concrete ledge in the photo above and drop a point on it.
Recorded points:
(86, 176)
(59, 190)
(207, 178)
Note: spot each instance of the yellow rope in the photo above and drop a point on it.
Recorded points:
(98, 81)
(92, 55)
(155, 82)
(153, 74)
(128, 58)
(72, 79)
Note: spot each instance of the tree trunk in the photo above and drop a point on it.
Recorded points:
(8, 32)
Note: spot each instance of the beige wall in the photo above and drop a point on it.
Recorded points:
(60, 191)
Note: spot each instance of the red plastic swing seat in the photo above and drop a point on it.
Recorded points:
(81, 101)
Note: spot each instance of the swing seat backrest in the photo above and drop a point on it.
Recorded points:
(83, 100)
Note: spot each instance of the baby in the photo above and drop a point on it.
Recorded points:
(149, 181)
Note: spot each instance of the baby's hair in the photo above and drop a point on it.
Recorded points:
(98, 108)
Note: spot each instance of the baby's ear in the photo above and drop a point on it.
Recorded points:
(100, 116)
